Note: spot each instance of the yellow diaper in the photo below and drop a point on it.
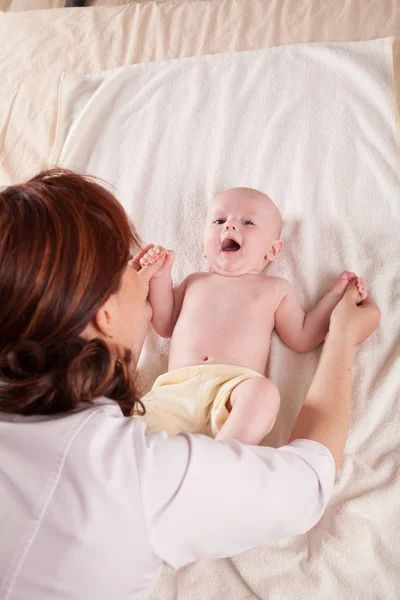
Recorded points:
(192, 399)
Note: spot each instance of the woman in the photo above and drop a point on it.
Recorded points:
(91, 505)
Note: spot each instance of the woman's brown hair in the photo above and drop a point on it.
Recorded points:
(65, 242)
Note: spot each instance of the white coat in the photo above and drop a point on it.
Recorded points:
(92, 506)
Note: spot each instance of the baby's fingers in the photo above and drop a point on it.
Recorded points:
(153, 254)
(136, 261)
(362, 288)
(150, 269)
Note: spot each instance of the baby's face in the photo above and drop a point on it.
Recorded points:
(242, 226)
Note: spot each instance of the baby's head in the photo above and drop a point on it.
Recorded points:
(242, 232)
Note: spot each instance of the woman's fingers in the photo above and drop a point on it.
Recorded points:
(370, 305)
(351, 292)
(356, 321)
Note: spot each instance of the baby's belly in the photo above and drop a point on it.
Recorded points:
(212, 344)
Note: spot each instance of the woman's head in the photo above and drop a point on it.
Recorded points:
(65, 278)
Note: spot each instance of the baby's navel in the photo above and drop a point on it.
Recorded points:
(205, 358)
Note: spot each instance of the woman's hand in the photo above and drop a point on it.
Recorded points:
(353, 322)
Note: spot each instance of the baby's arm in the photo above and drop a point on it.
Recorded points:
(301, 331)
(165, 301)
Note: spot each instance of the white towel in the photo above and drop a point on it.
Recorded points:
(313, 126)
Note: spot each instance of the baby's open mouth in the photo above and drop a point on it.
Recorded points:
(229, 245)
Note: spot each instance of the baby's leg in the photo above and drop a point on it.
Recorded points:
(255, 405)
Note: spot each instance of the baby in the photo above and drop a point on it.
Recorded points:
(220, 324)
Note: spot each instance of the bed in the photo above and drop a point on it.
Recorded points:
(347, 558)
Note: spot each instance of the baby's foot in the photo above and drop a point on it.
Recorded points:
(342, 282)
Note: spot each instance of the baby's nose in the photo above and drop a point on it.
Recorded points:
(230, 225)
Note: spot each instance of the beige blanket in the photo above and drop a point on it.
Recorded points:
(37, 46)
(354, 552)
(313, 126)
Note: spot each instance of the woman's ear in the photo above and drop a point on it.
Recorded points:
(274, 251)
(103, 323)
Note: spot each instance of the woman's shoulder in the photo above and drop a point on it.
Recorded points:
(48, 438)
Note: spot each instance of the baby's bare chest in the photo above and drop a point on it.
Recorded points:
(224, 300)
(225, 321)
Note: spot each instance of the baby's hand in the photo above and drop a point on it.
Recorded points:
(153, 254)
(342, 282)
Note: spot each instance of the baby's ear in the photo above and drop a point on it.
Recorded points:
(274, 251)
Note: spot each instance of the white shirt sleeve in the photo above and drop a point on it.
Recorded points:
(204, 498)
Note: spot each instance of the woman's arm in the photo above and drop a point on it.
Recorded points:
(325, 414)
(204, 498)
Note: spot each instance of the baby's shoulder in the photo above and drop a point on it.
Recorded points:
(195, 277)
(275, 282)
(278, 286)
(198, 275)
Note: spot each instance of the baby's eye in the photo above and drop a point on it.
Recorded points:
(248, 222)
(219, 221)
